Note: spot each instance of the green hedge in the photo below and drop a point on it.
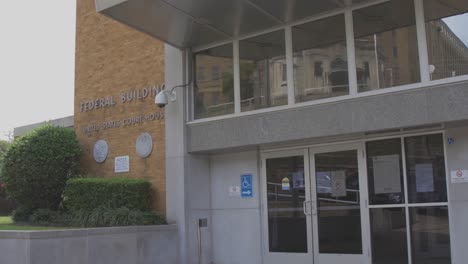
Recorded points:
(112, 193)
(47, 217)
(98, 217)
(102, 217)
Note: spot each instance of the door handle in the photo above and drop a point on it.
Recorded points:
(313, 207)
(306, 207)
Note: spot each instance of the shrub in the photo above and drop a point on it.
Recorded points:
(90, 193)
(46, 217)
(101, 217)
(21, 214)
(4, 145)
(37, 166)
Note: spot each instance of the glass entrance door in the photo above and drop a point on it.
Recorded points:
(287, 229)
(335, 205)
(313, 206)
(338, 205)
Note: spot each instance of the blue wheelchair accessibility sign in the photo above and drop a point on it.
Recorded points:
(246, 186)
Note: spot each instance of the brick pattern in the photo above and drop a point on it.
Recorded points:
(112, 58)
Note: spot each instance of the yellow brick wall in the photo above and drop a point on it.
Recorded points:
(112, 58)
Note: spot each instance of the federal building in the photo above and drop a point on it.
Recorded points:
(294, 131)
(118, 72)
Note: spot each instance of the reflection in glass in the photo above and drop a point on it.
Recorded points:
(287, 226)
(386, 45)
(214, 86)
(447, 38)
(388, 227)
(385, 172)
(320, 59)
(263, 78)
(425, 165)
(430, 237)
(338, 203)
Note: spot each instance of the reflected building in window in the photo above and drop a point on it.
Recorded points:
(320, 59)
(446, 37)
(321, 73)
(386, 53)
(448, 54)
(386, 59)
(386, 45)
(214, 89)
(263, 72)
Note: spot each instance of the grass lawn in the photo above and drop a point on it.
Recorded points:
(6, 223)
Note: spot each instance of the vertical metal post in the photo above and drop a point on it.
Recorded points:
(351, 53)
(236, 72)
(407, 211)
(199, 243)
(422, 41)
(290, 66)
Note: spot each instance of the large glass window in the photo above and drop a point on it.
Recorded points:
(385, 173)
(287, 226)
(263, 80)
(320, 59)
(428, 225)
(386, 45)
(386, 55)
(447, 37)
(389, 236)
(430, 237)
(425, 166)
(214, 93)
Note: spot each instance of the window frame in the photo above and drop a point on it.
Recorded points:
(407, 204)
(425, 80)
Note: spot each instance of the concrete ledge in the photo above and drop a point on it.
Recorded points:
(84, 232)
(411, 108)
(113, 245)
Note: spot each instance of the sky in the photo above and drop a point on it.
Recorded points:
(458, 25)
(37, 54)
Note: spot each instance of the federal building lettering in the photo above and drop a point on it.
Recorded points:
(140, 94)
(98, 103)
(125, 97)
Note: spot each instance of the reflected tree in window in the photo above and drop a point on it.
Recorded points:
(214, 94)
(320, 59)
(386, 45)
(263, 71)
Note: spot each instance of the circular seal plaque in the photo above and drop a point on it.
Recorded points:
(100, 151)
(144, 145)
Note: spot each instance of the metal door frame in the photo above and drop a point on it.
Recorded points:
(365, 224)
(278, 257)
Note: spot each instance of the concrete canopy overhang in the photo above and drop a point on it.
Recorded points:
(195, 23)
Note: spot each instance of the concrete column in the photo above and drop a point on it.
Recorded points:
(176, 156)
(457, 159)
(187, 176)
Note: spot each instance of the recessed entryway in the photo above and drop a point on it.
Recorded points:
(371, 201)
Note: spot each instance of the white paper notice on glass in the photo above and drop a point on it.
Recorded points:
(298, 179)
(122, 164)
(323, 182)
(424, 178)
(387, 178)
(338, 183)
